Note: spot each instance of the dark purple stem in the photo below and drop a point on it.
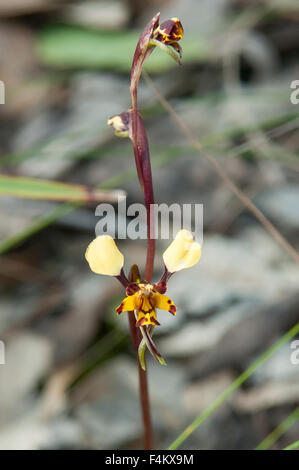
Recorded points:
(142, 158)
(122, 278)
(140, 141)
(143, 165)
(166, 276)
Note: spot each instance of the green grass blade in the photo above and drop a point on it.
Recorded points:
(234, 386)
(35, 188)
(293, 446)
(279, 430)
(58, 212)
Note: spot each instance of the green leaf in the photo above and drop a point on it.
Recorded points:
(147, 340)
(141, 353)
(72, 47)
(34, 188)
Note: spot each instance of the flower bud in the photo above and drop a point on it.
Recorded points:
(182, 253)
(104, 257)
(169, 32)
(121, 123)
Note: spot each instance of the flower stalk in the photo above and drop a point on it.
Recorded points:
(140, 141)
(142, 297)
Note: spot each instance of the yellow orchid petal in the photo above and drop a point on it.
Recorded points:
(182, 253)
(104, 257)
(145, 307)
(164, 303)
(128, 304)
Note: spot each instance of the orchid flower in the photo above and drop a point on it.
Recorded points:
(142, 297)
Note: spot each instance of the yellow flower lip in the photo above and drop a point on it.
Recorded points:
(104, 257)
(182, 253)
(145, 302)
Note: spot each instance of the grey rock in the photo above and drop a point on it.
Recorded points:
(281, 204)
(108, 409)
(32, 431)
(227, 273)
(247, 339)
(108, 405)
(268, 396)
(105, 14)
(28, 358)
(278, 368)
(196, 337)
(14, 312)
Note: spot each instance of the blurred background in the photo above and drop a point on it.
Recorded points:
(70, 378)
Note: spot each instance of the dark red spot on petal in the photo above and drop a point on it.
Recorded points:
(169, 301)
(154, 320)
(132, 288)
(172, 309)
(141, 321)
(119, 308)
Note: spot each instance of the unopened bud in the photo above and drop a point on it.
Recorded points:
(169, 32)
(121, 124)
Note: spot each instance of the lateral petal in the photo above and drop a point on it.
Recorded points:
(164, 303)
(128, 304)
